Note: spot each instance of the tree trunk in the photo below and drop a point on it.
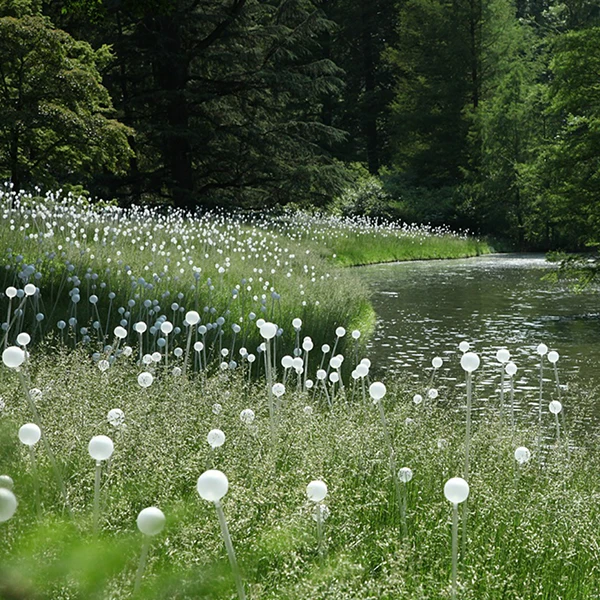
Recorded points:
(369, 116)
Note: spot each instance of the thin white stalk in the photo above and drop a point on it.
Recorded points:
(36, 482)
(142, 565)
(388, 441)
(230, 551)
(502, 392)
(454, 548)
(97, 495)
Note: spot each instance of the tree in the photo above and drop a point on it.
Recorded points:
(55, 114)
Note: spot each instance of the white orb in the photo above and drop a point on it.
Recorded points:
(542, 349)
(212, 485)
(217, 408)
(432, 394)
(309, 384)
(297, 323)
(103, 365)
(522, 455)
(192, 317)
(334, 377)
(555, 407)
(145, 379)
(437, 362)
(260, 323)
(100, 447)
(156, 357)
(417, 399)
(127, 351)
(335, 363)
(511, 369)
(287, 362)
(215, 438)
(316, 490)
(552, 356)
(151, 521)
(377, 390)
(307, 345)
(29, 289)
(23, 339)
(340, 332)
(198, 346)
(325, 348)
(456, 490)
(116, 417)
(298, 363)
(8, 504)
(405, 474)
(356, 334)
(469, 361)
(278, 389)
(13, 357)
(503, 355)
(464, 347)
(30, 434)
(321, 374)
(140, 327)
(247, 416)
(120, 332)
(362, 370)
(11, 291)
(308, 410)
(6, 482)
(268, 330)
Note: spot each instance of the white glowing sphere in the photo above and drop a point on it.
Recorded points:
(405, 474)
(145, 379)
(432, 394)
(366, 362)
(321, 374)
(198, 346)
(268, 330)
(278, 390)
(30, 434)
(166, 327)
(212, 485)
(316, 490)
(325, 348)
(297, 323)
(437, 362)
(469, 361)
(542, 349)
(247, 416)
(297, 363)
(417, 399)
(140, 327)
(335, 363)
(309, 384)
(503, 355)
(356, 334)
(23, 339)
(156, 357)
(555, 407)
(287, 361)
(8, 504)
(11, 291)
(362, 370)
(260, 323)
(103, 365)
(215, 438)
(29, 289)
(553, 357)
(151, 521)
(340, 332)
(522, 455)
(116, 417)
(307, 345)
(334, 377)
(13, 357)
(377, 390)
(120, 332)
(511, 369)
(456, 490)
(100, 447)
(6, 482)
(464, 346)
(192, 317)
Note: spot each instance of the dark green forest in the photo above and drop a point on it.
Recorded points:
(479, 114)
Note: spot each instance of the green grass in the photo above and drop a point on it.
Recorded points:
(532, 536)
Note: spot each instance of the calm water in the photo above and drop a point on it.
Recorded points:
(426, 308)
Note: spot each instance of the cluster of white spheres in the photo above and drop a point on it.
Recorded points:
(377, 391)
(101, 447)
(247, 416)
(268, 330)
(316, 490)
(469, 361)
(151, 521)
(8, 504)
(13, 357)
(405, 474)
(215, 438)
(145, 379)
(456, 490)
(30, 434)
(212, 485)
(555, 407)
(522, 455)
(278, 390)
(437, 362)
(503, 355)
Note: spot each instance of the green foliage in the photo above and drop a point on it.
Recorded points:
(55, 114)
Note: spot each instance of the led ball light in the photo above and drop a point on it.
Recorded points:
(405, 474)
(151, 521)
(503, 355)
(377, 391)
(215, 438)
(316, 490)
(23, 339)
(464, 347)
(116, 417)
(145, 379)
(511, 369)
(553, 357)
(30, 434)
(212, 485)
(469, 362)
(101, 447)
(437, 362)
(268, 330)
(555, 407)
(8, 504)
(542, 349)
(247, 416)
(192, 317)
(13, 357)
(6, 482)
(120, 332)
(522, 455)
(456, 490)
(417, 399)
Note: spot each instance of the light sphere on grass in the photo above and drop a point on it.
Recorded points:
(297, 323)
(437, 362)
(212, 485)
(167, 327)
(287, 361)
(268, 330)
(355, 334)
(116, 417)
(192, 317)
(469, 362)
(316, 490)
(140, 327)
(340, 332)
(8, 504)
(542, 349)
(101, 447)
(555, 407)
(278, 390)
(13, 357)
(405, 474)
(11, 292)
(377, 390)
(6, 482)
(464, 347)
(456, 490)
(511, 369)
(120, 332)
(362, 370)
(553, 357)
(29, 289)
(23, 339)
(432, 394)
(522, 455)
(417, 399)
(503, 355)
(103, 365)
(145, 379)
(30, 434)
(247, 416)
(215, 438)
(151, 521)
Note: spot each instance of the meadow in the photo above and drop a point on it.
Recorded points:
(156, 315)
